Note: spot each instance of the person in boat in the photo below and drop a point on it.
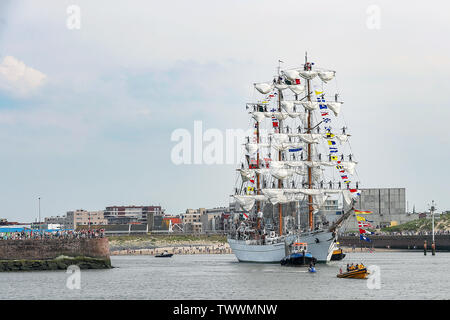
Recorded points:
(348, 267)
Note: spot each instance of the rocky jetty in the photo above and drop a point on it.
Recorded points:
(60, 263)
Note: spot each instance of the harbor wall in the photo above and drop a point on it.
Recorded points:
(45, 249)
(398, 242)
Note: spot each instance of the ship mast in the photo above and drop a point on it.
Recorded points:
(310, 207)
(258, 205)
(280, 125)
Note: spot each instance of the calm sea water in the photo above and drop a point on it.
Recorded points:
(404, 275)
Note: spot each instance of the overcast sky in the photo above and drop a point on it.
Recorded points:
(86, 115)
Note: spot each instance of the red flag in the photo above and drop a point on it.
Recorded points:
(274, 122)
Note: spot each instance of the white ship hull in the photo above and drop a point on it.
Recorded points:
(267, 253)
(320, 244)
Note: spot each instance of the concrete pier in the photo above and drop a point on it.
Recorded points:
(54, 254)
(398, 242)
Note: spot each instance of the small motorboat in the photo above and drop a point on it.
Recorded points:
(358, 272)
(165, 254)
(338, 254)
(299, 256)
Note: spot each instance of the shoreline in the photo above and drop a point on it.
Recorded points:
(176, 249)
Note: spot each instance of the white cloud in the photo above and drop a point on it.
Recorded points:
(18, 78)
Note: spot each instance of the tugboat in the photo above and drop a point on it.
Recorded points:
(165, 254)
(355, 272)
(299, 256)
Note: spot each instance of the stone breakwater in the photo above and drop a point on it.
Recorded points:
(54, 254)
(179, 249)
(60, 263)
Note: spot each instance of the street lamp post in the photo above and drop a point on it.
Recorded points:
(433, 245)
(39, 222)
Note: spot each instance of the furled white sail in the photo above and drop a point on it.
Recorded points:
(281, 173)
(297, 88)
(318, 200)
(264, 87)
(262, 171)
(326, 75)
(247, 174)
(310, 105)
(308, 74)
(286, 145)
(349, 166)
(251, 148)
(347, 196)
(246, 202)
(335, 107)
(291, 74)
(310, 137)
(294, 114)
(277, 164)
(258, 116)
(316, 173)
(281, 86)
(316, 136)
(280, 115)
(288, 106)
(279, 138)
(295, 163)
(317, 163)
(275, 195)
(342, 137)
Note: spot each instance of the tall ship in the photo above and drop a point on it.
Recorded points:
(297, 156)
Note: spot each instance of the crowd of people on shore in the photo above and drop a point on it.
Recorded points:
(58, 234)
(186, 249)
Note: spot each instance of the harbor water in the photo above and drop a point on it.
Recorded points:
(403, 275)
